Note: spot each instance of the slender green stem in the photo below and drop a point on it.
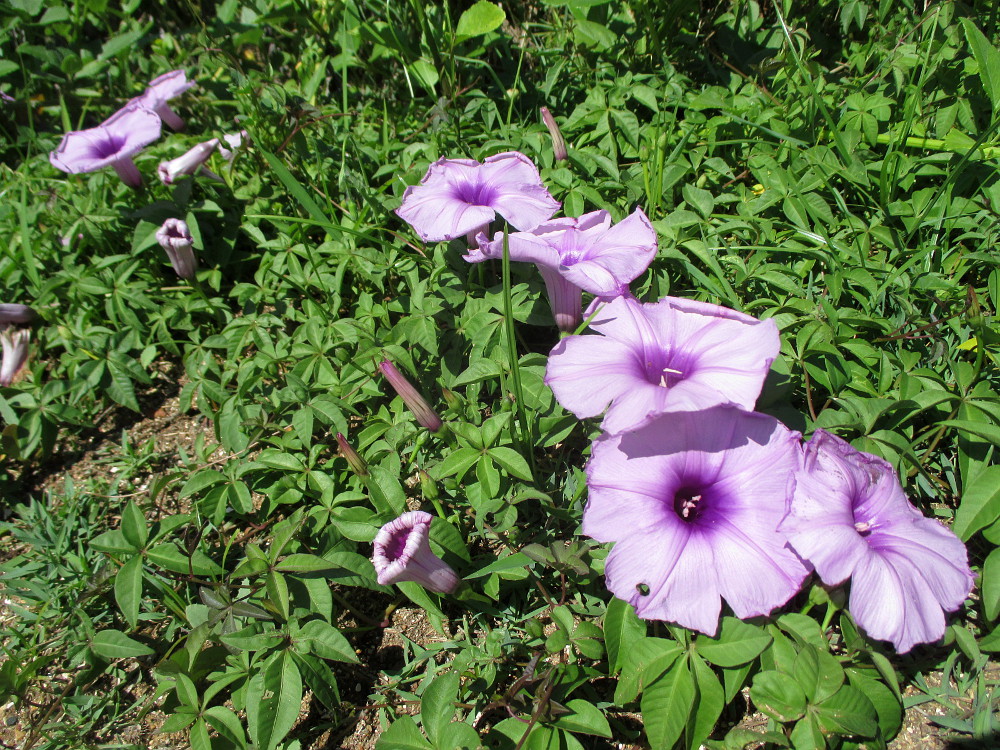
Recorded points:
(515, 372)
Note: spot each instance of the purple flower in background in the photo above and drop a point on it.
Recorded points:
(162, 89)
(670, 356)
(461, 197)
(175, 238)
(850, 519)
(573, 255)
(692, 502)
(189, 163)
(7, 97)
(416, 403)
(113, 143)
(403, 553)
(14, 339)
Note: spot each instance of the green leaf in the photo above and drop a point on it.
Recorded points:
(886, 702)
(402, 734)
(385, 491)
(818, 673)
(481, 18)
(227, 724)
(134, 525)
(778, 695)
(807, 734)
(128, 589)
(171, 557)
(989, 585)
(709, 704)
(666, 705)
(988, 59)
(114, 644)
(517, 560)
(737, 643)
(327, 642)
(113, 542)
(512, 462)
(980, 504)
(273, 697)
(437, 704)
(198, 737)
(458, 736)
(298, 192)
(456, 463)
(848, 711)
(644, 662)
(585, 717)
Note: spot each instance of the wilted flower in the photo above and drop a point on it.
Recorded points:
(175, 237)
(357, 464)
(160, 90)
(113, 143)
(558, 142)
(669, 356)
(14, 339)
(692, 502)
(189, 163)
(850, 518)
(587, 254)
(416, 403)
(403, 553)
(461, 197)
(234, 140)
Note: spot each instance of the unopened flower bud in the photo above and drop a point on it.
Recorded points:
(558, 142)
(175, 237)
(428, 487)
(416, 403)
(189, 163)
(354, 460)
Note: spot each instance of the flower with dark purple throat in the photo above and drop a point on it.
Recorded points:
(670, 356)
(403, 553)
(14, 337)
(851, 520)
(692, 502)
(189, 163)
(175, 238)
(161, 90)
(113, 143)
(416, 403)
(354, 460)
(587, 254)
(558, 142)
(461, 197)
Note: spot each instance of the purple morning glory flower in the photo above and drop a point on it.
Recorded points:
(573, 255)
(113, 143)
(162, 89)
(14, 338)
(692, 502)
(175, 238)
(415, 402)
(189, 163)
(670, 356)
(461, 197)
(850, 518)
(403, 553)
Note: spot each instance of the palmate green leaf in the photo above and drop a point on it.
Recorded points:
(324, 640)
(980, 503)
(887, 704)
(403, 734)
(708, 705)
(807, 734)
(385, 491)
(171, 557)
(666, 704)
(114, 644)
(644, 662)
(128, 589)
(848, 711)
(512, 462)
(273, 697)
(622, 628)
(778, 695)
(737, 643)
(818, 673)
(585, 718)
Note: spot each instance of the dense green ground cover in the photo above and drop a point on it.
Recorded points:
(834, 170)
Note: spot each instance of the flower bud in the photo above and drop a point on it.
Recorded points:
(416, 403)
(175, 237)
(357, 464)
(558, 142)
(428, 487)
(188, 163)
(15, 353)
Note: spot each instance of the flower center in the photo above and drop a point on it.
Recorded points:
(108, 146)
(666, 369)
(688, 503)
(475, 193)
(865, 528)
(571, 249)
(397, 543)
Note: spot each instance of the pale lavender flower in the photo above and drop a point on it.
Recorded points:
(14, 339)
(558, 142)
(850, 519)
(175, 238)
(403, 553)
(587, 254)
(189, 163)
(416, 403)
(234, 141)
(162, 89)
(113, 143)
(692, 502)
(461, 197)
(7, 97)
(674, 355)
